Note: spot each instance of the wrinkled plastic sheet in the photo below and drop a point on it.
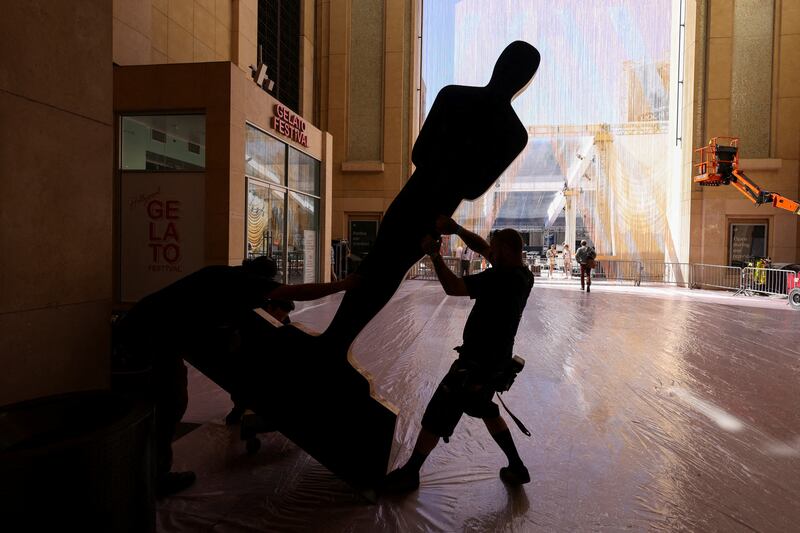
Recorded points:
(660, 409)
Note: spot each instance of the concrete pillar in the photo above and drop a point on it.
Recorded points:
(571, 216)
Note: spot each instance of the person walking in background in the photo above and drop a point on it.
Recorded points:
(552, 253)
(585, 256)
(567, 261)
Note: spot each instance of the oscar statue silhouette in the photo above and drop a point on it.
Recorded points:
(470, 136)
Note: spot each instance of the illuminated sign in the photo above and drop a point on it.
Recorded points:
(289, 125)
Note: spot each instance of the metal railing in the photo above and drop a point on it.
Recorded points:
(671, 273)
(423, 269)
(748, 281)
(766, 281)
(705, 276)
(618, 270)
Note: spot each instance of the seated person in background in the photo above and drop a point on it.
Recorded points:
(500, 295)
(279, 310)
(165, 325)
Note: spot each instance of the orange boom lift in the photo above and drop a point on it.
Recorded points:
(719, 165)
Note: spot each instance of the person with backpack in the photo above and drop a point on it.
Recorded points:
(585, 256)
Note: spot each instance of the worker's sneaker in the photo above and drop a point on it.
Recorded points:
(589, 288)
(173, 482)
(400, 481)
(517, 475)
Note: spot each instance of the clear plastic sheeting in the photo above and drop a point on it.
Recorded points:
(601, 96)
(622, 196)
(650, 408)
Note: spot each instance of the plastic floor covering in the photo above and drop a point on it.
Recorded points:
(651, 408)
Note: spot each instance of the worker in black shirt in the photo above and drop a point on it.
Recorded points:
(500, 295)
(163, 326)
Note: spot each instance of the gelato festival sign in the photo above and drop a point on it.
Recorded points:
(289, 125)
(163, 237)
(162, 231)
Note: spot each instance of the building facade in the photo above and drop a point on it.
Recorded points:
(368, 100)
(56, 150)
(746, 80)
(218, 156)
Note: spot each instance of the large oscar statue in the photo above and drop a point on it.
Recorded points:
(470, 136)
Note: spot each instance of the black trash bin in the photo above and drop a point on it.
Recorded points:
(78, 462)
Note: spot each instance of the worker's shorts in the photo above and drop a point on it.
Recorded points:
(455, 397)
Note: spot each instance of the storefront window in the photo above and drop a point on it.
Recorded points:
(282, 206)
(303, 237)
(265, 156)
(266, 223)
(163, 142)
(303, 172)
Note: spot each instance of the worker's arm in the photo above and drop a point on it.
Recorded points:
(452, 284)
(448, 226)
(312, 291)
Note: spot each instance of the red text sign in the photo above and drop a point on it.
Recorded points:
(163, 237)
(289, 125)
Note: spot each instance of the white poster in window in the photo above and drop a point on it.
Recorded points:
(162, 230)
(309, 256)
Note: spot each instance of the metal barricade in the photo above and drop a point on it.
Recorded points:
(749, 280)
(618, 270)
(339, 251)
(672, 273)
(765, 281)
(715, 277)
(423, 269)
(533, 266)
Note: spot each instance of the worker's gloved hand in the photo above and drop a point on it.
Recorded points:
(446, 225)
(430, 245)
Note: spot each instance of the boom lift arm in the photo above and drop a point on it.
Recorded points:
(719, 165)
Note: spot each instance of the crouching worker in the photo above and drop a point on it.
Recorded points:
(500, 295)
(171, 322)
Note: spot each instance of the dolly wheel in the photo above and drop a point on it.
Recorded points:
(794, 298)
(253, 445)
